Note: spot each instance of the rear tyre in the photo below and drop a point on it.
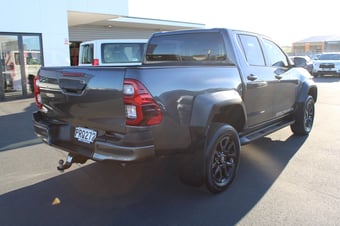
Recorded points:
(304, 117)
(222, 157)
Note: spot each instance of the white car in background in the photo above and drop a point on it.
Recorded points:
(327, 64)
(112, 52)
(303, 61)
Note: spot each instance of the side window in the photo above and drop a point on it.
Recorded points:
(275, 55)
(252, 50)
(87, 54)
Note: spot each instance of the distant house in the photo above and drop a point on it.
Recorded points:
(317, 44)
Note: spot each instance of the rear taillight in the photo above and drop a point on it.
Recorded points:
(140, 108)
(37, 95)
(95, 62)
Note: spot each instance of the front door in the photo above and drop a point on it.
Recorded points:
(285, 84)
(259, 83)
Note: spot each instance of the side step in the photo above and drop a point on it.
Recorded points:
(247, 138)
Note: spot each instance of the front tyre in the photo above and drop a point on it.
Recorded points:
(222, 157)
(304, 117)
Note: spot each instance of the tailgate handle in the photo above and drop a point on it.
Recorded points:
(72, 86)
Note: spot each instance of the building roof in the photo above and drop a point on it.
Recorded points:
(108, 20)
(321, 38)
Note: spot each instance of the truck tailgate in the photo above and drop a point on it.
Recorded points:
(90, 97)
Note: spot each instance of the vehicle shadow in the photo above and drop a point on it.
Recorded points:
(147, 193)
(17, 129)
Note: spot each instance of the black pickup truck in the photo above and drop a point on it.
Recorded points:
(199, 94)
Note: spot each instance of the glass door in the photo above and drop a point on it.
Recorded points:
(32, 59)
(20, 59)
(10, 67)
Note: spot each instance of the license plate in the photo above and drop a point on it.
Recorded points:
(85, 135)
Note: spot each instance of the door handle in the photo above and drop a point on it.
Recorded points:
(252, 77)
(278, 77)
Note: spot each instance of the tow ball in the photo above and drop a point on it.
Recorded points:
(69, 161)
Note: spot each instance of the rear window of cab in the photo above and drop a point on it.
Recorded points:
(188, 48)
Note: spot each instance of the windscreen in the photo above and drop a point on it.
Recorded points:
(329, 56)
(203, 47)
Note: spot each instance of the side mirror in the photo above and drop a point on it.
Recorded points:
(279, 64)
(300, 62)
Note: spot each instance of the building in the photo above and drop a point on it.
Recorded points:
(48, 33)
(317, 44)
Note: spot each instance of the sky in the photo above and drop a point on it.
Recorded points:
(285, 21)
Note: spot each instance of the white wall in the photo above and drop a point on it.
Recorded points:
(50, 19)
(120, 7)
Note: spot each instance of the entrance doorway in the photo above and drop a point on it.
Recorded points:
(74, 53)
(20, 59)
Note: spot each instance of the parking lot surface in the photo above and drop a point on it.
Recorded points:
(282, 180)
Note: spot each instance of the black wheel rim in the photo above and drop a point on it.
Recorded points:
(224, 161)
(309, 116)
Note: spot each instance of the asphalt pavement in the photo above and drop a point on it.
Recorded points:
(282, 180)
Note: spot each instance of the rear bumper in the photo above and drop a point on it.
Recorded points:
(107, 151)
(327, 72)
(61, 136)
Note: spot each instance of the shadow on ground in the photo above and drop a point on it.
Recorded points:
(147, 193)
(18, 129)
